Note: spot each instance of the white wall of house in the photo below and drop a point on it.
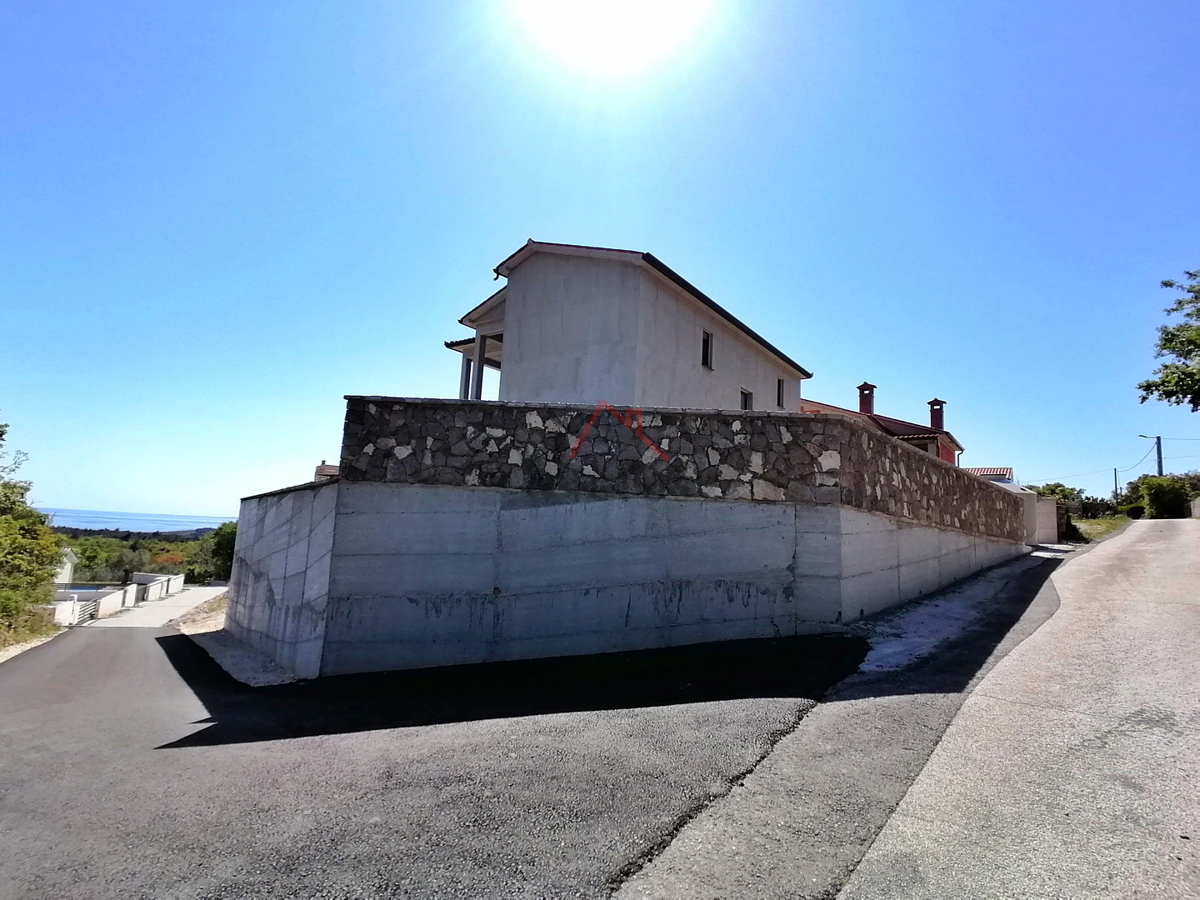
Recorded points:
(581, 330)
(570, 331)
(670, 372)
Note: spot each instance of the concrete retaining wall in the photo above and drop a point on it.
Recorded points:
(281, 575)
(420, 575)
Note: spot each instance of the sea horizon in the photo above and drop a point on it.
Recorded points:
(128, 521)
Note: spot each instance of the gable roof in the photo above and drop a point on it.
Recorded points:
(647, 261)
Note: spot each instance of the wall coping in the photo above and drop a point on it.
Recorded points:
(307, 486)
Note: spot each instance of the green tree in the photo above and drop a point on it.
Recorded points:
(1178, 381)
(1058, 491)
(29, 551)
(223, 540)
(1135, 493)
(1165, 498)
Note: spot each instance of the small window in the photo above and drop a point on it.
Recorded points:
(747, 400)
(706, 350)
(779, 392)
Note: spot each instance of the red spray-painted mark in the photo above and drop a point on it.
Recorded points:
(630, 418)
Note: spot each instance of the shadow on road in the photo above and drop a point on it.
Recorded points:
(805, 666)
(952, 667)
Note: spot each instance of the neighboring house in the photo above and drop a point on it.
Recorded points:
(66, 571)
(1041, 513)
(1002, 475)
(325, 471)
(584, 324)
(932, 438)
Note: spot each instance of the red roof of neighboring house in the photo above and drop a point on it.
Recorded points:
(897, 428)
(992, 472)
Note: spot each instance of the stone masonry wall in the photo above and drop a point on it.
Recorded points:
(753, 456)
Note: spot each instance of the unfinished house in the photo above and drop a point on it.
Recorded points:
(649, 476)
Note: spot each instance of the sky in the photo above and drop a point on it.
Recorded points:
(218, 218)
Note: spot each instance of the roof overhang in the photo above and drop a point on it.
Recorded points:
(485, 310)
(493, 349)
(657, 268)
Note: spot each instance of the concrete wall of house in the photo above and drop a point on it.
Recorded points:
(280, 581)
(66, 572)
(1195, 508)
(669, 362)
(1047, 521)
(432, 575)
(580, 330)
(570, 331)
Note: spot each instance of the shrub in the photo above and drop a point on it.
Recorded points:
(1165, 498)
(1133, 510)
(1097, 507)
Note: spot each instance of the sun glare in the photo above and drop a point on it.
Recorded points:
(612, 38)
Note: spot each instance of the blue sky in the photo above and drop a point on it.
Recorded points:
(217, 218)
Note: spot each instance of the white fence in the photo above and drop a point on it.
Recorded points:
(73, 607)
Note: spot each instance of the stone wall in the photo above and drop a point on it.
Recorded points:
(751, 456)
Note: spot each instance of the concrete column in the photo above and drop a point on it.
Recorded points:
(477, 375)
(464, 379)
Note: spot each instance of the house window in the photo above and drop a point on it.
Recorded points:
(747, 400)
(779, 392)
(706, 350)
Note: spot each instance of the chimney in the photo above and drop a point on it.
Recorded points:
(937, 414)
(866, 398)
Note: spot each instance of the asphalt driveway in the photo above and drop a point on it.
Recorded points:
(133, 766)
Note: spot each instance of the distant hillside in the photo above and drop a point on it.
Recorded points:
(170, 537)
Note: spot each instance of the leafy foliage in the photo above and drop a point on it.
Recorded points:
(1058, 491)
(30, 551)
(1097, 507)
(1134, 491)
(1178, 381)
(222, 550)
(1165, 498)
(110, 559)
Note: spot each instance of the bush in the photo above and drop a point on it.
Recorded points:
(1097, 507)
(1133, 510)
(1165, 498)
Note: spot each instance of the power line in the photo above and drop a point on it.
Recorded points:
(1138, 463)
(1099, 471)
(1181, 439)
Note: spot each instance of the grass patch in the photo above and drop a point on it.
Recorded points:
(36, 623)
(1097, 529)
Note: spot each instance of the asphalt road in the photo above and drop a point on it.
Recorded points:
(1073, 769)
(131, 766)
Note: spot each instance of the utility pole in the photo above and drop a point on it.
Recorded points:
(1116, 490)
(1157, 446)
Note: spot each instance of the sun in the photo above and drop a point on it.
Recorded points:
(612, 39)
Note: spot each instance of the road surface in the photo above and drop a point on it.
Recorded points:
(1073, 769)
(1051, 751)
(131, 766)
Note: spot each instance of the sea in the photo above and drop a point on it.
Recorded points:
(125, 521)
